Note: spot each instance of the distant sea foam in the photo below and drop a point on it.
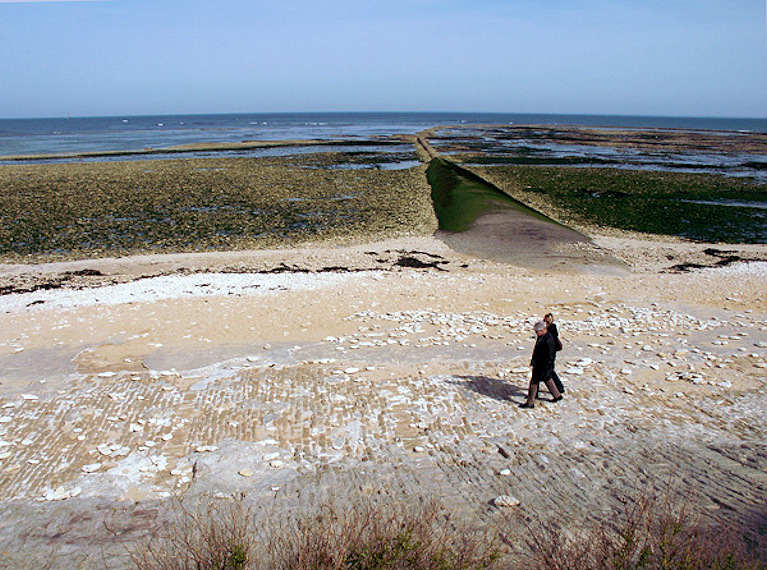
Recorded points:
(100, 134)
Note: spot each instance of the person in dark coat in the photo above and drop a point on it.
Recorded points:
(543, 366)
(552, 328)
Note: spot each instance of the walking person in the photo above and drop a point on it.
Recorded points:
(552, 328)
(543, 366)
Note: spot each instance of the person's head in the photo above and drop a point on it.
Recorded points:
(548, 319)
(540, 328)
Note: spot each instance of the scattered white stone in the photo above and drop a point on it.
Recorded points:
(58, 494)
(506, 501)
(351, 370)
(29, 397)
(106, 374)
(271, 456)
(505, 472)
(91, 468)
(419, 449)
(5, 419)
(104, 449)
(626, 371)
(5, 455)
(166, 437)
(276, 463)
(245, 472)
(206, 448)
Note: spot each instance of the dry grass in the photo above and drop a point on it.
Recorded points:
(400, 533)
(365, 535)
(653, 534)
(211, 535)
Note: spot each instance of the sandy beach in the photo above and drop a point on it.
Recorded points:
(370, 351)
(292, 374)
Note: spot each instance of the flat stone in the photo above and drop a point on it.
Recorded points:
(506, 501)
(91, 468)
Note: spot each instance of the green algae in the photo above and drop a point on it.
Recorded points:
(460, 196)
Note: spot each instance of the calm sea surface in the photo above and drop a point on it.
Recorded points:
(98, 134)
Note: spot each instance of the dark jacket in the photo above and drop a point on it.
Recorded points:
(544, 354)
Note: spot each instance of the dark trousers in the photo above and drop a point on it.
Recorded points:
(557, 381)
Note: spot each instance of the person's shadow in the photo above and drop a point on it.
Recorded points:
(491, 387)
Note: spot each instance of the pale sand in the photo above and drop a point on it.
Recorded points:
(312, 382)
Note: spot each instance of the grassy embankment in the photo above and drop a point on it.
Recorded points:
(459, 196)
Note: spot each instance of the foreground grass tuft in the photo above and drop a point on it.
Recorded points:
(652, 534)
(398, 533)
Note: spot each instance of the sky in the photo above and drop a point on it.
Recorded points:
(617, 57)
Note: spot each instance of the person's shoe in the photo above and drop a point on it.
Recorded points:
(526, 405)
(556, 399)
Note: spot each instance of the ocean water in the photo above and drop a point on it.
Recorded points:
(100, 134)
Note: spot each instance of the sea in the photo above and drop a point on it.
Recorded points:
(74, 135)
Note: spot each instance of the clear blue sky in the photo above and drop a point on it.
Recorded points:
(643, 57)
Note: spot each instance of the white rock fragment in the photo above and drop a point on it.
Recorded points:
(505, 472)
(206, 448)
(29, 397)
(91, 468)
(106, 374)
(166, 436)
(245, 472)
(506, 501)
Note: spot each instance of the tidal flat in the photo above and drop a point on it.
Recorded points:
(702, 186)
(83, 210)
